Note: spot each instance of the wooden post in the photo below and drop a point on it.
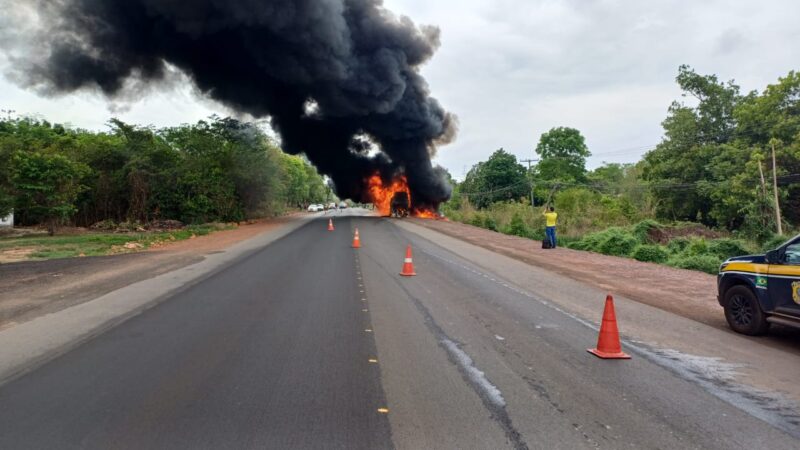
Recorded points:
(764, 199)
(775, 191)
(530, 178)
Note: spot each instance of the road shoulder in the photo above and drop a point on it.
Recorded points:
(38, 287)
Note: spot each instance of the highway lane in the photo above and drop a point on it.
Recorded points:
(300, 344)
(270, 353)
(554, 394)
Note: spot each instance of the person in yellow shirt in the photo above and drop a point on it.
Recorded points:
(551, 219)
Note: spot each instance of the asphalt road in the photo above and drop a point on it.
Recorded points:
(303, 343)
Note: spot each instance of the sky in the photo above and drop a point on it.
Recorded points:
(513, 69)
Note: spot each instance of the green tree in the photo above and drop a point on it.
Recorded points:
(693, 137)
(775, 115)
(714, 113)
(563, 154)
(295, 180)
(6, 185)
(46, 186)
(316, 185)
(499, 178)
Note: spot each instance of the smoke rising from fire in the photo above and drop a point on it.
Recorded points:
(327, 74)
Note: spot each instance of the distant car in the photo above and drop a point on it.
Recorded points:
(758, 290)
(342, 205)
(312, 208)
(332, 205)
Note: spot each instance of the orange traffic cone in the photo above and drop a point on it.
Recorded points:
(408, 265)
(356, 240)
(330, 224)
(608, 346)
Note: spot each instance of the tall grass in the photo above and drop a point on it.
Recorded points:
(95, 244)
(609, 225)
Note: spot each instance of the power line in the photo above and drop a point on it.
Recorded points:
(785, 179)
(695, 140)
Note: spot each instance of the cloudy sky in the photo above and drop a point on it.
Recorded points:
(512, 69)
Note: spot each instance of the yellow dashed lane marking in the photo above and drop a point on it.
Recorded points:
(373, 360)
(364, 310)
(383, 410)
(368, 330)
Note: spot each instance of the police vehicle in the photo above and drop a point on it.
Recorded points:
(758, 290)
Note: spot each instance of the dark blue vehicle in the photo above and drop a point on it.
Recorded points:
(758, 290)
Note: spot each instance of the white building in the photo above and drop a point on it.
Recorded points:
(7, 221)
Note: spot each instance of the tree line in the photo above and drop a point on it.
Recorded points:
(216, 170)
(714, 166)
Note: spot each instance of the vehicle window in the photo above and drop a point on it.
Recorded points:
(793, 254)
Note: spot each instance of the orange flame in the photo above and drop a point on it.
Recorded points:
(381, 194)
(425, 214)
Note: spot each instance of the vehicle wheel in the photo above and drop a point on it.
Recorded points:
(743, 312)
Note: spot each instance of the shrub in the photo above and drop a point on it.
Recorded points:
(703, 263)
(677, 245)
(577, 245)
(489, 223)
(774, 242)
(591, 242)
(518, 227)
(476, 220)
(650, 253)
(726, 248)
(106, 225)
(642, 230)
(697, 246)
(617, 242)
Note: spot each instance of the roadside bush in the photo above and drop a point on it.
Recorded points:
(489, 223)
(643, 229)
(105, 225)
(617, 242)
(650, 253)
(476, 220)
(591, 242)
(696, 247)
(726, 248)
(129, 226)
(517, 227)
(774, 242)
(677, 245)
(704, 263)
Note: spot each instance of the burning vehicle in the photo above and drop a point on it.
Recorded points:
(394, 199)
(400, 205)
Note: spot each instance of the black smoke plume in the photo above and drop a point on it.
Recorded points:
(334, 77)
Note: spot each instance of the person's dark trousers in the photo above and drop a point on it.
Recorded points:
(551, 235)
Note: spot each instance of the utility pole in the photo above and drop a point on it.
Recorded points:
(775, 191)
(530, 176)
(763, 183)
(764, 199)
